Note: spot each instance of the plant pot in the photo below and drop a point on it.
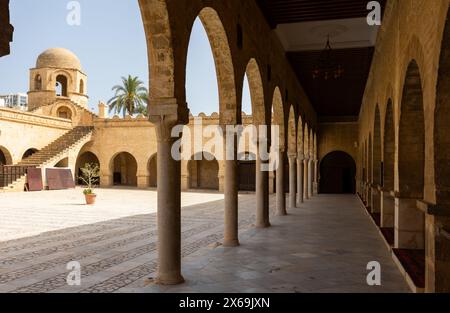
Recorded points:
(90, 199)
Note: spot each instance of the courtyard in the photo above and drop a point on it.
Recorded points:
(313, 249)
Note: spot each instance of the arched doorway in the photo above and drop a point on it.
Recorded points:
(247, 171)
(61, 86)
(5, 156)
(83, 159)
(410, 220)
(337, 173)
(153, 171)
(124, 168)
(29, 153)
(203, 174)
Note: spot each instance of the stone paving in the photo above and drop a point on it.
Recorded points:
(324, 246)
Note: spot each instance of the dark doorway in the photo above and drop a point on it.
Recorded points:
(337, 173)
(247, 172)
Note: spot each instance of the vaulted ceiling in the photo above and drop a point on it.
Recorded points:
(303, 27)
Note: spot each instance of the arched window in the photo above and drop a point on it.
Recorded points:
(64, 112)
(61, 86)
(81, 86)
(38, 82)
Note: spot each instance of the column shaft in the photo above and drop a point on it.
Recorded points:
(292, 181)
(262, 194)
(281, 196)
(299, 182)
(305, 179)
(169, 215)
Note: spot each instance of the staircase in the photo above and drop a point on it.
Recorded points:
(57, 147)
(12, 178)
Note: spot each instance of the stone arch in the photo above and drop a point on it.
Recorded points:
(292, 133)
(84, 158)
(153, 171)
(203, 173)
(5, 156)
(442, 122)
(159, 48)
(123, 167)
(300, 147)
(218, 40)
(337, 172)
(61, 85)
(306, 140)
(81, 88)
(311, 144)
(64, 112)
(63, 163)
(278, 117)
(411, 151)
(29, 152)
(37, 82)
(256, 92)
(66, 107)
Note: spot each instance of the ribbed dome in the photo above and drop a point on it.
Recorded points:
(58, 58)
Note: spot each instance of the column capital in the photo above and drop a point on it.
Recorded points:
(166, 113)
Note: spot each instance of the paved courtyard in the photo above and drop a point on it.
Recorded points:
(324, 246)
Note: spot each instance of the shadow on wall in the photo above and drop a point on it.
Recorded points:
(337, 174)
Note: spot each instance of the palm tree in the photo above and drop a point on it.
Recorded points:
(129, 96)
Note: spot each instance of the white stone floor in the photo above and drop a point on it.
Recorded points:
(324, 246)
(30, 214)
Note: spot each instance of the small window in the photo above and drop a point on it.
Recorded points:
(81, 86)
(38, 82)
(61, 86)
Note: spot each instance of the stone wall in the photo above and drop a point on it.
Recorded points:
(412, 34)
(20, 131)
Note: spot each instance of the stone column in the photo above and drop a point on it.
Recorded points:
(292, 181)
(316, 178)
(387, 209)
(310, 179)
(262, 192)
(281, 196)
(165, 115)
(142, 181)
(409, 224)
(376, 200)
(299, 181)
(169, 210)
(230, 186)
(305, 179)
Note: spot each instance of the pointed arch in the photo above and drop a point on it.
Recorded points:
(389, 148)
(292, 133)
(300, 147)
(278, 116)
(411, 152)
(160, 48)
(224, 64)
(377, 148)
(256, 92)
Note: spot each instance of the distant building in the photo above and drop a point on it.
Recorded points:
(14, 101)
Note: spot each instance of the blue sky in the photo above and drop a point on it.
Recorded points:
(110, 43)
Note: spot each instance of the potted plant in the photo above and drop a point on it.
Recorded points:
(90, 177)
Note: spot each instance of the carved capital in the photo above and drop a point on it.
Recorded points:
(165, 114)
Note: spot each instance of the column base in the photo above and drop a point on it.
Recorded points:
(231, 243)
(280, 214)
(265, 225)
(169, 280)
